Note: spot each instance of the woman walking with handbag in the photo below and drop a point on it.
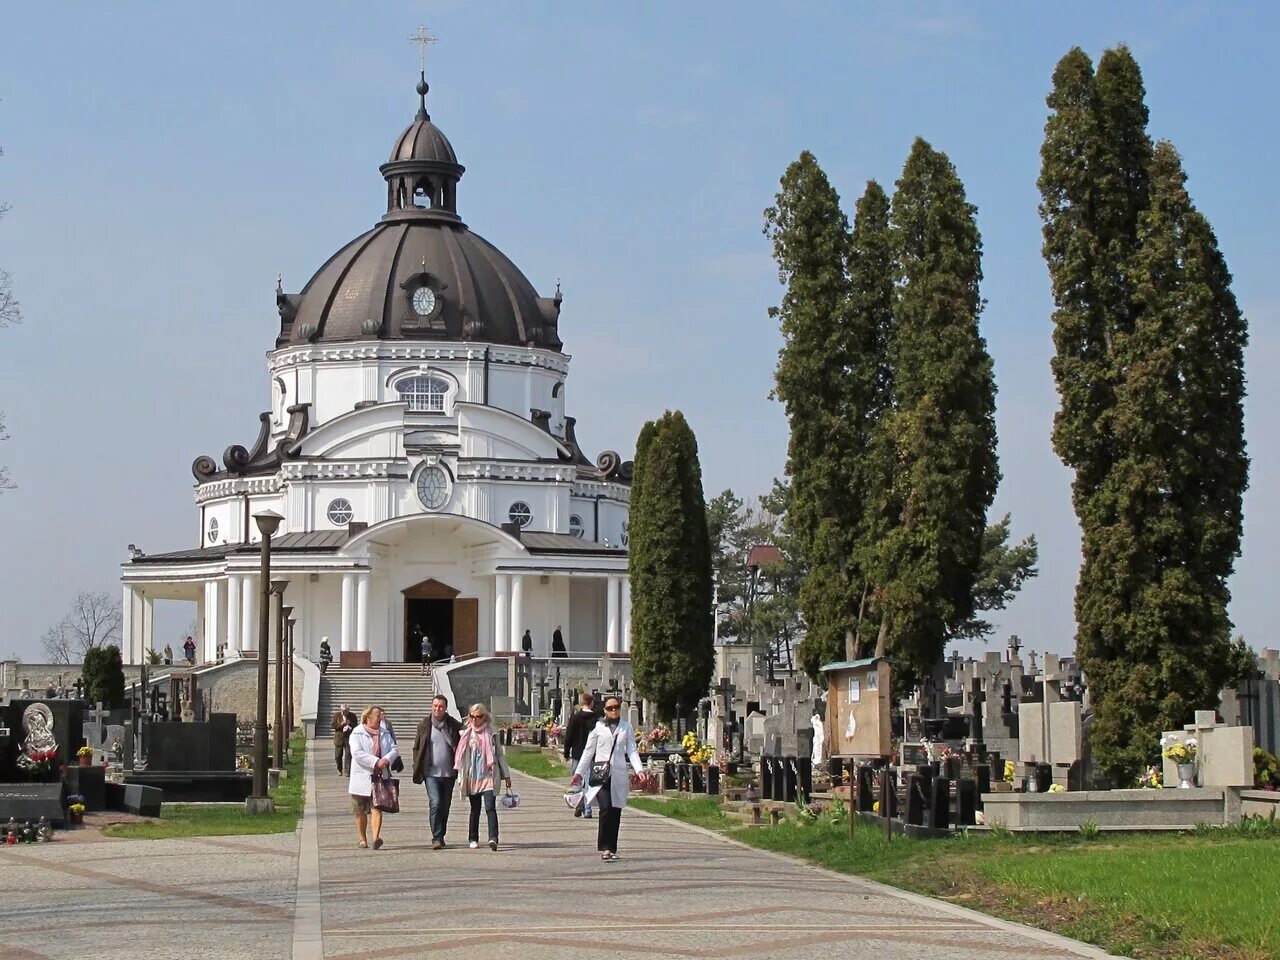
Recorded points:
(603, 766)
(479, 759)
(373, 750)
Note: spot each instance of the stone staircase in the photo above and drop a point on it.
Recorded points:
(399, 688)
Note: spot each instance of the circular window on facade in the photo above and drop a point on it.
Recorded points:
(520, 514)
(575, 526)
(433, 487)
(340, 512)
(626, 532)
(213, 530)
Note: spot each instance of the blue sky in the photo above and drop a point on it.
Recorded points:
(164, 162)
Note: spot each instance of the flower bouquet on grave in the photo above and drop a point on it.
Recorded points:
(1179, 751)
(75, 808)
(1150, 780)
(85, 755)
(41, 766)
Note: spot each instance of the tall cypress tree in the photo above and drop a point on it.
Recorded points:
(669, 562)
(936, 444)
(830, 377)
(1180, 474)
(1148, 362)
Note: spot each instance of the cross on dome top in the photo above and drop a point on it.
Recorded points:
(422, 38)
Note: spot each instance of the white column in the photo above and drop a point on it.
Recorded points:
(212, 621)
(517, 613)
(129, 625)
(626, 615)
(612, 592)
(348, 611)
(148, 624)
(362, 611)
(249, 600)
(501, 612)
(234, 615)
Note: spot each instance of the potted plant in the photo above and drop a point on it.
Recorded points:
(1183, 754)
(85, 756)
(75, 809)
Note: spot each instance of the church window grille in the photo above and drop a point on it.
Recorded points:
(340, 512)
(575, 526)
(433, 487)
(626, 533)
(424, 393)
(520, 514)
(213, 530)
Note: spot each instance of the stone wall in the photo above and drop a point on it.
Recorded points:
(38, 675)
(233, 688)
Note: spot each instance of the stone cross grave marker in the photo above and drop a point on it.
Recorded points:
(94, 732)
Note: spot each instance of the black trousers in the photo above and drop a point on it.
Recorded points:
(610, 819)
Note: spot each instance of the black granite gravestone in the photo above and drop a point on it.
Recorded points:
(966, 803)
(67, 732)
(31, 801)
(940, 803)
(193, 747)
(916, 786)
(90, 783)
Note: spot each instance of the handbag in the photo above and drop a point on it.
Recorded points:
(386, 794)
(600, 769)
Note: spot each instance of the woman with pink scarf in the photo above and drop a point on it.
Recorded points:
(477, 759)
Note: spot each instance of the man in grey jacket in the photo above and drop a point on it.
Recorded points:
(433, 749)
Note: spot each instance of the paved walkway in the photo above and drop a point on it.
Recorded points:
(678, 892)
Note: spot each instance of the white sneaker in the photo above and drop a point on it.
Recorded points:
(473, 844)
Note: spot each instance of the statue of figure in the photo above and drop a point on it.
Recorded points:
(819, 739)
(37, 723)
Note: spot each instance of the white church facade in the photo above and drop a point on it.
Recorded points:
(419, 449)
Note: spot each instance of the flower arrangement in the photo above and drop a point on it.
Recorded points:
(1057, 788)
(698, 752)
(76, 808)
(519, 725)
(1010, 769)
(1179, 751)
(555, 731)
(1151, 779)
(546, 721)
(85, 751)
(657, 736)
(41, 765)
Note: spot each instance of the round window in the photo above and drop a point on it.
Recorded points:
(433, 487)
(213, 530)
(520, 514)
(575, 525)
(340, 512)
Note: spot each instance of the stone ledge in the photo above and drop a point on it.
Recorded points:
(1167, 809)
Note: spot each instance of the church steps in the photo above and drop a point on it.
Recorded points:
(399, 688)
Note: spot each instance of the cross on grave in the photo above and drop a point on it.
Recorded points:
(96, 716)
(1014, 646)
(542, 693)
(79, 685)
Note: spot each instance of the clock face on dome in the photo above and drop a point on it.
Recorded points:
(433, 487)
(424, 301)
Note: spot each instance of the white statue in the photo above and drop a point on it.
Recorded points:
(819, 739)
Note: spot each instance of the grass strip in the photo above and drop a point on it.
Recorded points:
(221, 820)
(1210, 895)
(537, 763)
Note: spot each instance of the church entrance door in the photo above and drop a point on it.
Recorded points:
(430, 618)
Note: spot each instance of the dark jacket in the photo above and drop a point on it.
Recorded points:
(422, 746)
(576, 732)
(340, 719)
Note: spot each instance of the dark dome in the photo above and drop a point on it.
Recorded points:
(423, 140)
(420, 273)
(366, 290)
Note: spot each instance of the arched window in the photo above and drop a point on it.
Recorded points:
(424, 393)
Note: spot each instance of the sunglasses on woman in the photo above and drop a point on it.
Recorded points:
(613, 706)
(476, 716)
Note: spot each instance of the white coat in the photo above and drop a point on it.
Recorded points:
(363, 758)
(597, 750)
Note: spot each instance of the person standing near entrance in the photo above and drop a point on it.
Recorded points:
(168, 655)
(326, 655)
(426, 651)
(612, 742)
(433, 750)
(526, 643)
(576, 732)
(557, 643)
(189, 651)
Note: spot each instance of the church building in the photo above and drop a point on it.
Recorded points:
(419, 449)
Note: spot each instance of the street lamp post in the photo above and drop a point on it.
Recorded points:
(283, 612)
(268, 522)
(288, 678)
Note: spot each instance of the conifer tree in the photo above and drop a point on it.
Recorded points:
(831, 377)
(935, 446)
(669, 562)
(1148, 362)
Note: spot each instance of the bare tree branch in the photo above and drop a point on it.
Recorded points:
(93, 621)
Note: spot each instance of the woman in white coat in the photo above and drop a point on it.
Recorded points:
(614, 740)
(373, 750)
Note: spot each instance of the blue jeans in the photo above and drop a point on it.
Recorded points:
(439, 799)
(490, 809)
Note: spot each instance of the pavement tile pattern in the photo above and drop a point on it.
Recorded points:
(677, 892)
